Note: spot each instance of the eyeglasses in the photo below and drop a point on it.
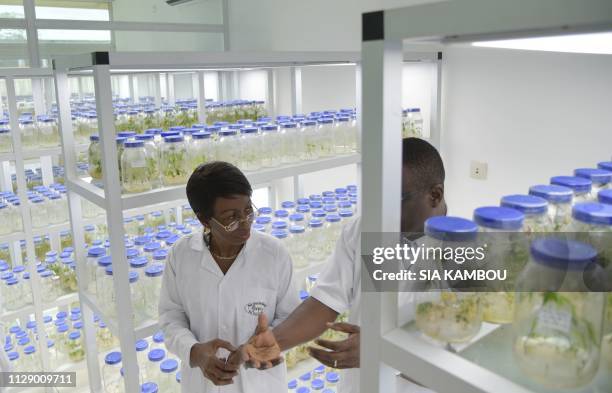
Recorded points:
(232, 226)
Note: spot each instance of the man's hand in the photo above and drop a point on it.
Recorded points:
(261, 351)
(341, 354)
(204, 356)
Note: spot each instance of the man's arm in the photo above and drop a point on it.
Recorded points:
(307, 322)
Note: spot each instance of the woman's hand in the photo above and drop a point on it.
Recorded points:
(218, 371)
(261, 351)
(341, 354)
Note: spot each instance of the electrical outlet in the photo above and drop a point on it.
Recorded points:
(479, 170)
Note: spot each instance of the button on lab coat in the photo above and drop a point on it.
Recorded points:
(198, 303)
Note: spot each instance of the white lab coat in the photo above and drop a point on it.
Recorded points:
(198, 304)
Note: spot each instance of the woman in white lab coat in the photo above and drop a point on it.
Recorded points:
(216, 284)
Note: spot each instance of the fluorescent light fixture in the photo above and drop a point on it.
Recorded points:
(597, 43)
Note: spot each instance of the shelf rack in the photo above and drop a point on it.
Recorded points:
(101, 65)
(389, 347)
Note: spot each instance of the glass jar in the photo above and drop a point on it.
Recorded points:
(152, 158)
(30, 359)
(325, 137)
(557, 335)
(271, 144)
(157, 341)
(94, 158)
(76, 352)
(317, 384)
(297, 245)
(227, 148)
(332, 230)
(48, 286)
(174, 161)
(137, 292)
(446, 315)
(6, 141)
(111, 373)
(605, 196)
(61, 337)
(6, 217)
(506, 252)
(601, 179)
(535, 210)
(135, 175)
(264, 221)
(579, 185)
(93, 255)
(251, 149)
(353, 139)
(153, 365)
(593, 224)
(152, 289)
(142, 347)
(201, 149)
(559, 200)
(290, 143)
(48, 132)
(167, 382)
(308, 141)
(104, 338)
(29, 134)
(316, 238)
(38, 211)
(12, 294)
(342, 135)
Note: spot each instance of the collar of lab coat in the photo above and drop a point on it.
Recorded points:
(208, 262)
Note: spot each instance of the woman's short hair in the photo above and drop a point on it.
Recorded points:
(214, 180)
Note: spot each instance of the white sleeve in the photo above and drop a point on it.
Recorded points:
(335, 285)
(174, 322)
(287, 298)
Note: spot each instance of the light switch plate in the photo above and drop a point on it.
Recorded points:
(479, 170)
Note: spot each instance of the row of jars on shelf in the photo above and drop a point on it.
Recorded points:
(150, 161)
(556, 358)
(42, 132)
(412, 123)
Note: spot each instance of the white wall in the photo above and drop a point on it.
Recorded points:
(530, 115)
(328, 88)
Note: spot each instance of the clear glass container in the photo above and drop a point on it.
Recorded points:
(498, 306)
(6, 141)
(174, 161)
(297, 245)
(111, 373)
(155, 356)
(559, 200)
(601, 179)
(200, 149)
(272, 145)
(142, 347)
(342, 135)
(38, 211)
(325, 137)
(29, 134)
(227, 148)
(412, 123)
(135, 175)
(48, 286)
(152, 289)
(308, 141)
(6, 217)
(167, 381)
(137, 293)
(48, 132)
(557, 335)
(251, 149)
(290, 143)
(153, 156)
(353, 135)
(104, 338)
(593, 224)
(332, 229)
(446, 315)
(30, 361)
(535, 210)
(94, 155)
(579, 185)
(316, 238)
(15, 216)
(76, 351)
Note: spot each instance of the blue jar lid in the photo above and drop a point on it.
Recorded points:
(296, 217)
(144, 137)
(264, 210)
(345, 213)
(134, 144)
(451, 228)
(606, 165)
(526, 204)
(62, 328)
(151, 247)
(552, 193)
(161, 235)
(112, 358)
(269, 127)
(21, 334)
(258, 227)
(319, 369)
(131, 253)
(139, 262)
(174, 139)
(316, 204)
(318, 213)
(149, 387)
(29, 350)
(502, 218)
(333, 218)
(201, 135)
(47, 319)
(142, 240)
(141, 345)
(317, 384)
(133, 276)
(332, 377)
(156, 355)
(61, 315)
(108, 270)
(593, 213)
(12, 356)
(78, 325)
(168, 366)
(292, 384)
(263, 220)
(281, 213)
(105, 261)
(605, 196)
(306, 376)
(303, 295)
(96, 252)
(172, 239)
(279, 233)
(50, 343)
(308, 123)
(297, 229)
(160, 255)
(303, 209)
(303, 201)
(74, 335)
(579, 185)
(46, 274)
(562, 253)
(19, 269)
(598, 176)
(158, 337)
(154, 270)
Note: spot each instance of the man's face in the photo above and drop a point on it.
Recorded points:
(419, 204)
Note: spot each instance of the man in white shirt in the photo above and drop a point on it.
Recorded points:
(338, 288)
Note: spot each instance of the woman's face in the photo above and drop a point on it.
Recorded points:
(227, 211)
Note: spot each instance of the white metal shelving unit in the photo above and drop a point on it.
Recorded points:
(101, 66)
(485, 364)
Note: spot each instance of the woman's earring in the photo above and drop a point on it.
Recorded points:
(206, 229)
